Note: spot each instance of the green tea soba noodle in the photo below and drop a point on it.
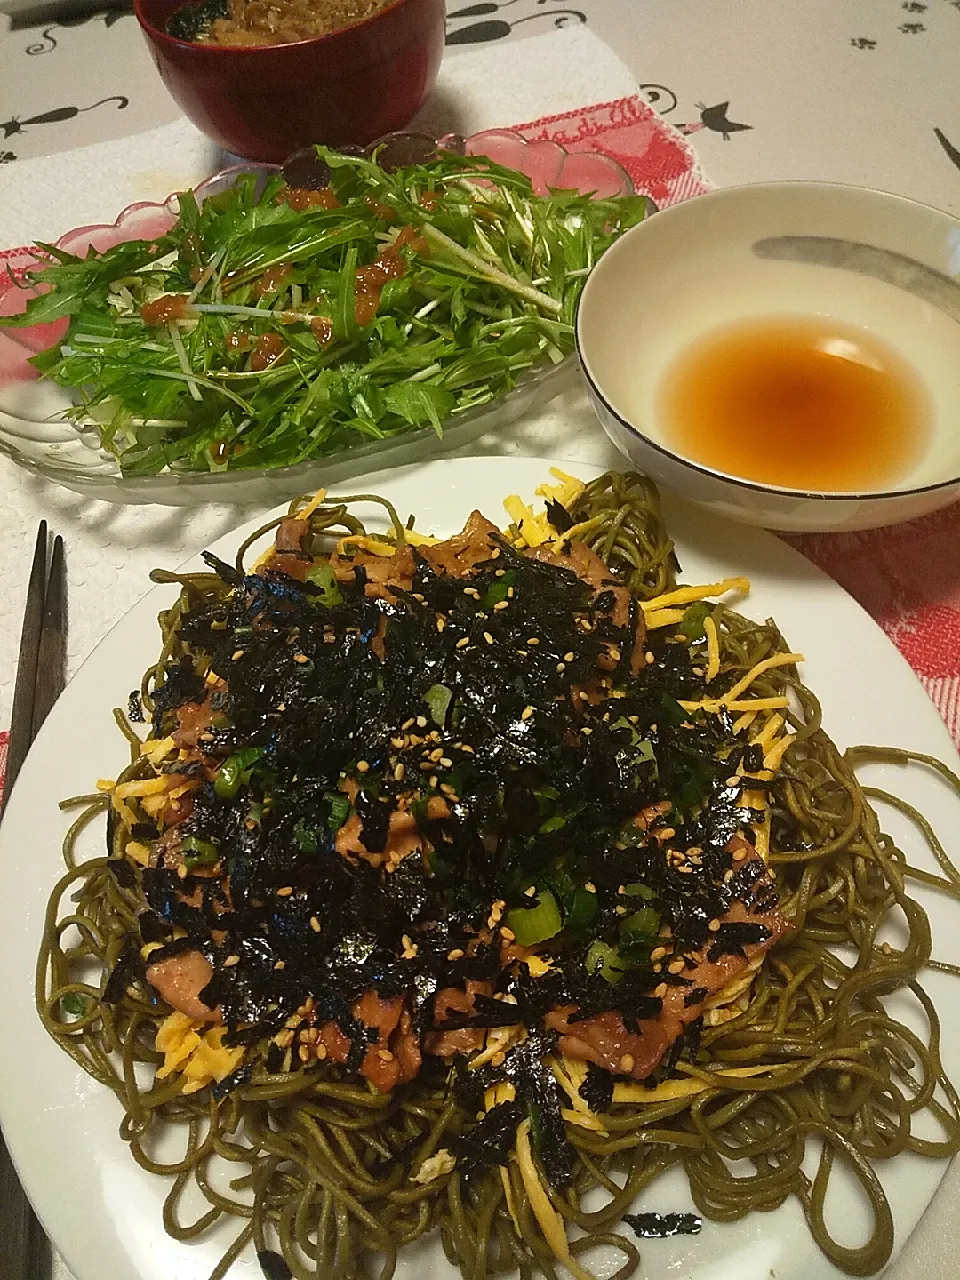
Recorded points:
(357, 1114)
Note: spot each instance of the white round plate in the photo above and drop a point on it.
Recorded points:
(104, 1213)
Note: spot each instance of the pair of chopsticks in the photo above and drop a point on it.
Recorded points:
(41, 668)
(41, 673)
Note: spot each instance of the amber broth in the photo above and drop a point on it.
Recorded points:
(796, 401)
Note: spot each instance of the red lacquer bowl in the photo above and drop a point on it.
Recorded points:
(265, 101)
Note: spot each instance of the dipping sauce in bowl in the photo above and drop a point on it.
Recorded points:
(784, 354)
(802, 402)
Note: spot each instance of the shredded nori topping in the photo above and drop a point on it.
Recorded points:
(597, 1089)
(539, 788)
(657, 1226)
(273, 1265)
(491, 1139)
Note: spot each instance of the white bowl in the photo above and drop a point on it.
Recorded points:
(882, 263)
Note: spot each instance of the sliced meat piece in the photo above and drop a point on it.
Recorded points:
(394, 1058)
(178, 810)
(605, 1040)
(335, 1042)
(711, 976)
(586, 564)
(444, 1044)
(403, 837)
(382, 572)
(290, 535)
(166, 852)
(582, 561)
(291, 563)
(461, 553)
(648, 816)
(179, 982)
(405, 1047)
(193, 719)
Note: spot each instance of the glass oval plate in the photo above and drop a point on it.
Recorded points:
(36, 434)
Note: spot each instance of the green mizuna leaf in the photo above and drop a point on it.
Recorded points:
(240, 338)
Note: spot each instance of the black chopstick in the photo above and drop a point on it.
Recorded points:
(52, 656)
(41, 672)
(24, 691)
(41, 667)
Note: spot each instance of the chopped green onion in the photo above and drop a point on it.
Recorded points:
(691, 624)
(553, 824)
(580, 910)
(645, 750)
(199, 853)
(671, 712)
(74, 1003)
(646, 921)
(339, 809)
(640, 891)
(498, 591)
(322, 576)
(438, 698)
(305, 838)
(235, 771)
(530, 925)
(605, 960)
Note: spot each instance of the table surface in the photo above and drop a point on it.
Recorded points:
(860, 91)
